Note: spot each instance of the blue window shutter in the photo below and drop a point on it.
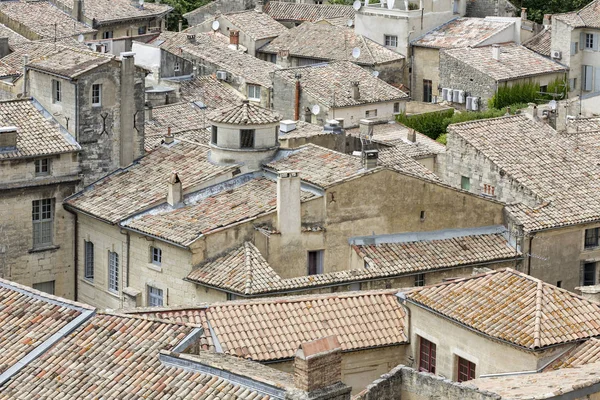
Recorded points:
(595, 44)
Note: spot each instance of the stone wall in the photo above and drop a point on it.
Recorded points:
(210, 10)
(403, 383)
(490, 8)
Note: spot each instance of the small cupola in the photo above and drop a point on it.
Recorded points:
(245, 134)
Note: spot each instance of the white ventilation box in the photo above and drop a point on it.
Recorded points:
(469, 102)
(556, 54)
(448, 96)
(455, 96)
(475, 105)
(445, 94)
(287, 125)
(222, 75)
(461, 96)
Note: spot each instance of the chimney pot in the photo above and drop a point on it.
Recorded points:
(355, 91)
(191, 38)
(412, 135)
(547, 20)
(77, 12)
(496, 52)
(175, 190)
(234, 37)
(288, 203)
(318, 364)
(180, 25)
(169, 137)
(524, 14)
(366, 128)
(8, 137)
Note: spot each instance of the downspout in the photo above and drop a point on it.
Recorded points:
(128, 257)
(297, 101)
(529, 255)
(76, 252)
(77, 113)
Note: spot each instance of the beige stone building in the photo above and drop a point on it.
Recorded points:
(38, 169)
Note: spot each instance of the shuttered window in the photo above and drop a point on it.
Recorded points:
(113, 272)
(42, 215)
(89, 260)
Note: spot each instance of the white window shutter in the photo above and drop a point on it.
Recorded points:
(587, 73)
(597, 80)
(595, 44)
(573, 48)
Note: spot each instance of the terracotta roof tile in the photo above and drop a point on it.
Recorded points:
(245, 113)
(513, 307)
(585, 353)
(106, 11)
(13, 37)
(256, 25)
(515, 62)
(180, 117)
(36, 135)
(281, 10)
(318, 81)
(70, 62)
(13, 63)
(210, 91)
(200, 136)
(462, 32)
(588, 16)
(325, 41)
(541, 43)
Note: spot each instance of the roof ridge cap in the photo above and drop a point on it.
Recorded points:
(248, 264)
(539, 295)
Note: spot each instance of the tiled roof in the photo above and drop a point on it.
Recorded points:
(29, 318)
(70, 62)
(211, 48)
(303, 130)
(210, 212)
(111, 11)
(201, 136)
(462, 32)
(324, 167)
(564, 189)
(541, 43)
(117, 356)
(245, 271)
(180, 117)
(256, 25)
(13, 37)
(516, 62)
(588, 16)
(43, 19)
(245, 113)
(585, 353)
(410, 257)
(13, 63)
(210, 91)
(321, 81)
(136, 188)
(325, 41)
(36, 135)
(585, 134)
(394, 137)
(287, 11)
(512, 307)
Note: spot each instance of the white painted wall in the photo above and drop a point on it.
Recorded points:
(147, 56)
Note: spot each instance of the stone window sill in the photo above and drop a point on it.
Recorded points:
(114, 294)
(88, 281)
(46, 248)
(154, 267)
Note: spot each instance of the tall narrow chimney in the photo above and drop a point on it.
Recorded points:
(523, 14)
(547, 20)
(318, 367)
(496, 52)
(175, 191)
(25, 76)
(148, 112)
(78, 10)
(8, 137)
(128, 110)
(234, 38)
(369, 158)
(412, 135)
(180, 25)
(366, 128)
(355, 91)
(288, 203)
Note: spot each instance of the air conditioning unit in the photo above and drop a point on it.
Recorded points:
(461, 96)
(448, 95)
(434, 99)
(469, 102)
(475, 104)
(556, 54)
(455, 96)
(444, 94)
(222, 75)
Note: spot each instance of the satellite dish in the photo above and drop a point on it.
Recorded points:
(390, 4)
(552, 104)
(356, 5)
(350, 22)
(315, 109)
(80, 38)
(215, 25)
(375, 74)
(356, 52)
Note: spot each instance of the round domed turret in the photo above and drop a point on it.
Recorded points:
(244, 134)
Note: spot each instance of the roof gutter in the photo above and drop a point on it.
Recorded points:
(154, 237)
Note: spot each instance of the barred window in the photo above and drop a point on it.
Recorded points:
(246, 138)
(155, 297)
(43, 218)
(113, 271)
(89, 261)
(591, 237)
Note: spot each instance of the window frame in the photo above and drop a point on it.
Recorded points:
(390, 40)
(463, 180)
(469, 374)
(427, 90)
(214, 134)
(177, 66)
(245, 139)
(419, 280)
(43, 222)
(88, 260)
(96, 96)
(588, 43)
(593, 240)
(42, 166)
(155, 299)
(253, 89)
(318, 262)
(593, 281)
(113, 272)
(142, 30)
(431, 355)
(397, 107)
(371, 113)
(156, 255)
(53, 283)
(107, 35)
(56, 91)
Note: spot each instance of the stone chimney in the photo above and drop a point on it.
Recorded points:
(288, 203)
(547, 20)
(169, 137)
(191, 38)
(259, 5)
(128, 110)
(591, 293)
(523, 14)
(175, 191)
(234, 38)
(8, 137)
(307, 115)
(369, 158)
(496, 52)
(532, 111)
(318, 367)
(283, 58)
(412, 135)
(355, 91)
(4, 49)
(180, 25)
(366, 128)
(148, 112)
(25, 76)
(78, 10)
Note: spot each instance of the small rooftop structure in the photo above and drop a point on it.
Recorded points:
(69, 62)
(210, 91)
(257, 25)
(244, 113)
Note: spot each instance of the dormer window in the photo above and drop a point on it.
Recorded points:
(246, 138)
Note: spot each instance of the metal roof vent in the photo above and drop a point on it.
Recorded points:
(333, 126)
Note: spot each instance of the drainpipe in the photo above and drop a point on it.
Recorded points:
(297, 101)
(76, 252)
(529, 256)
(128, 257)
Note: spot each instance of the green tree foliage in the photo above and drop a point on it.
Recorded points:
(181, 7)
(528, 92)
(537, 8)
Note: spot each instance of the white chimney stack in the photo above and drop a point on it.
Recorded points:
(496, 52)
(175, 192)
(288, 203)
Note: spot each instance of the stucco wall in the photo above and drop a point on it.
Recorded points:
(485, 8)
(426, 62)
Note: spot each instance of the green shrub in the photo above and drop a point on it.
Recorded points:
(430, 124)
(527, 92)
(442, 138)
